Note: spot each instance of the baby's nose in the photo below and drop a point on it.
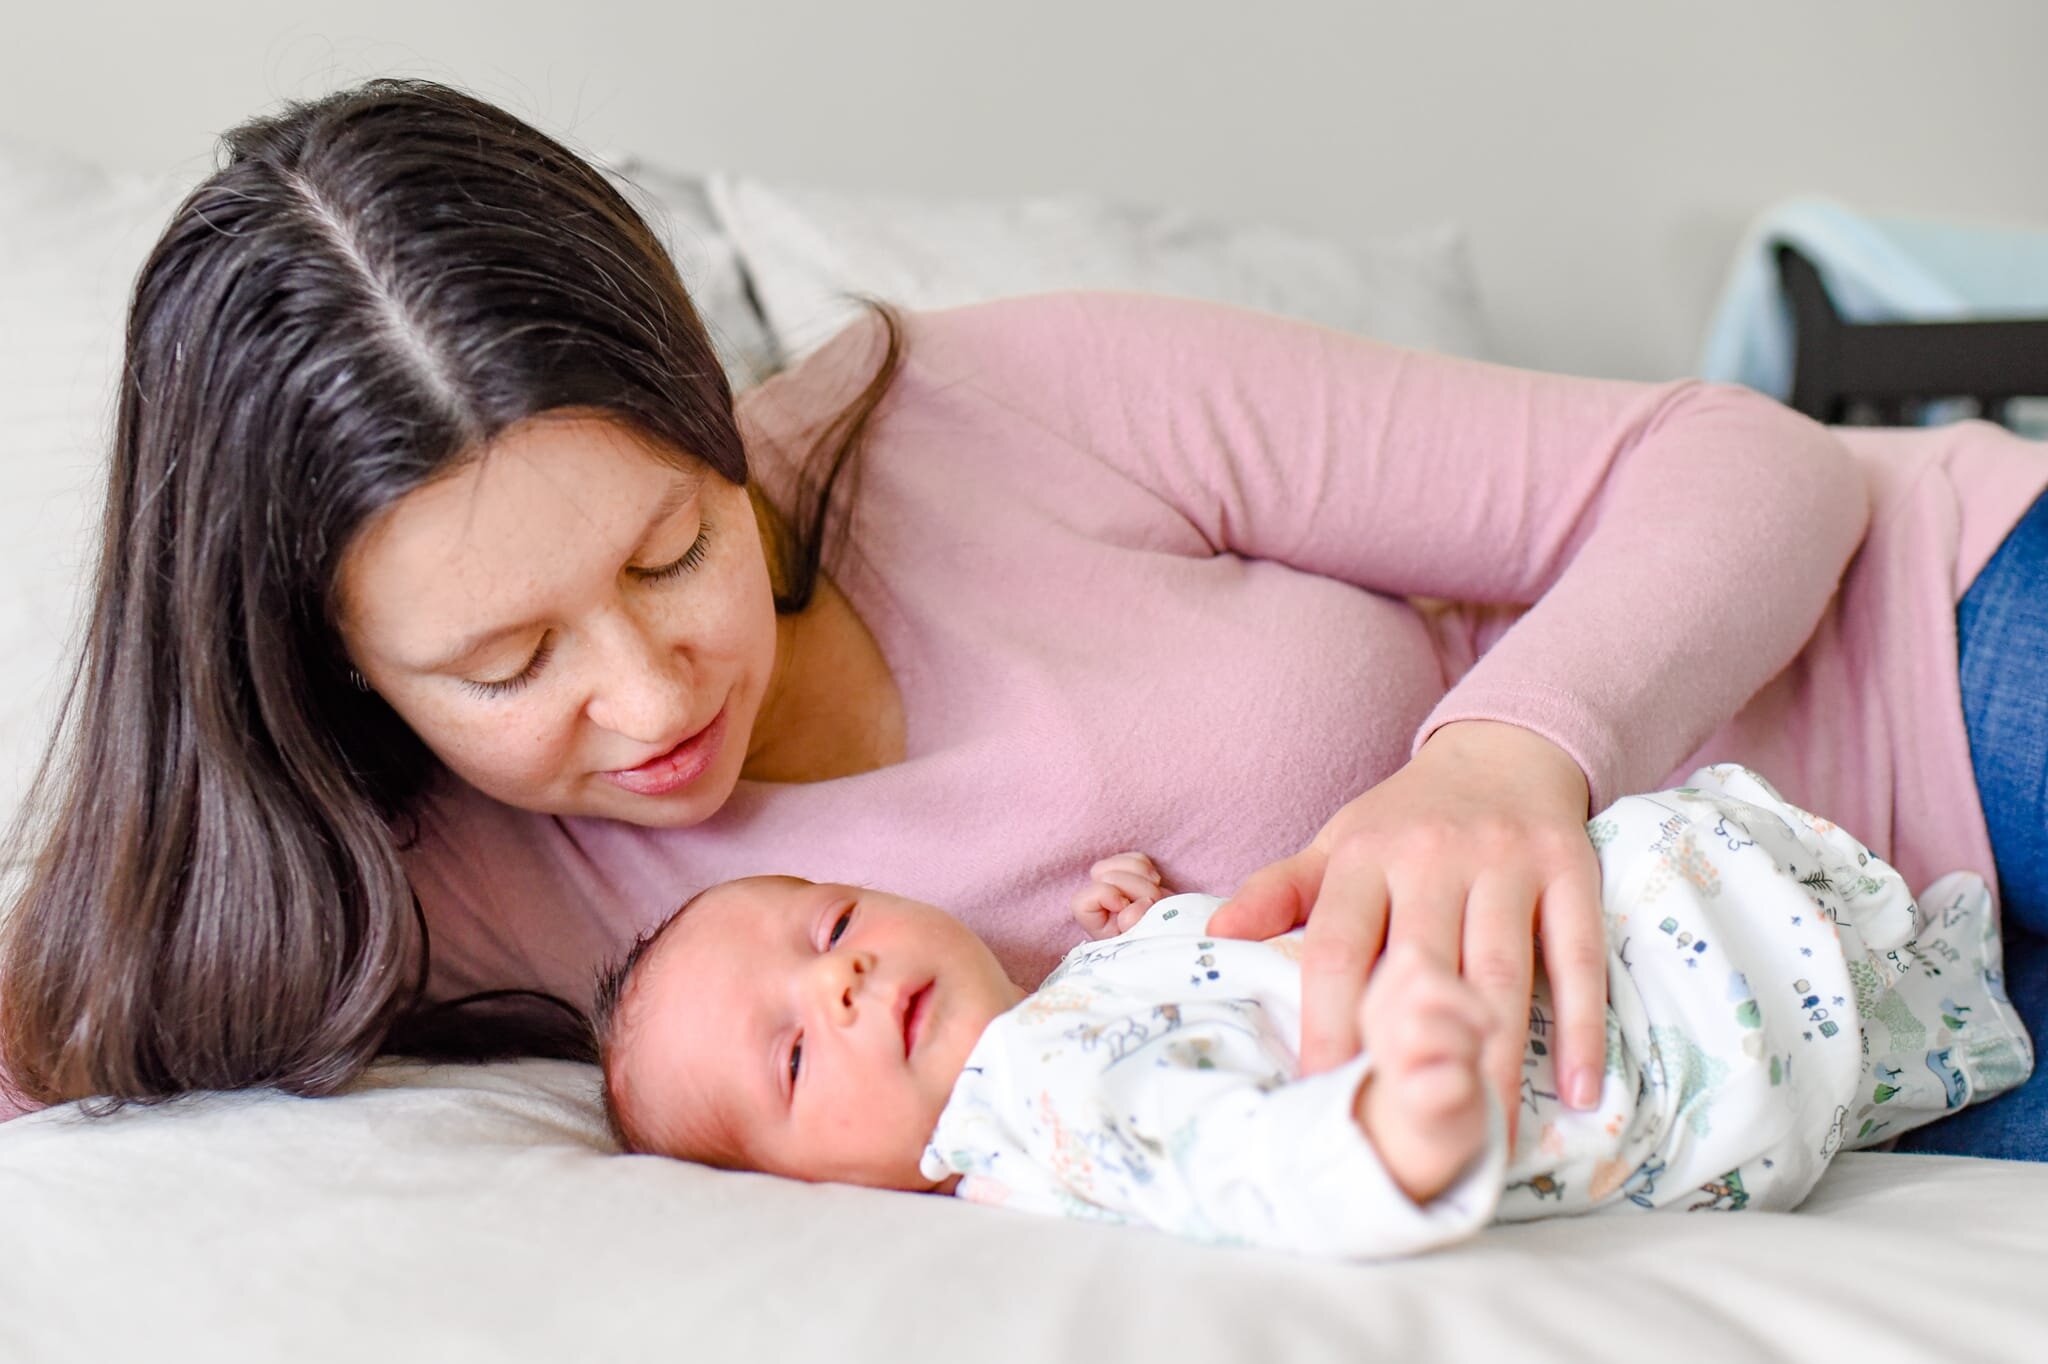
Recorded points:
(846, 979)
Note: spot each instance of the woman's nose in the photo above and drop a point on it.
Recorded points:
(639, 690)
(842, 976)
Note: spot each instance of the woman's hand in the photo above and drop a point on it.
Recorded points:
(1467, 852)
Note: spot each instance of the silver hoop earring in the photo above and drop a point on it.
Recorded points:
(358, 681)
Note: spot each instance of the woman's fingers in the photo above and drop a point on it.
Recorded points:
(1499, 964)
(1575, 959)
(1345, 932)
(1272, 899)
(1344, 937)
(1455, 856)
(1426, 910)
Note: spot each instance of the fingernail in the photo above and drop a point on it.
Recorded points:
(1585, 1089)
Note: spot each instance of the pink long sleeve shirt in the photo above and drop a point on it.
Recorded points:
(1145, 572)
(1148, 575)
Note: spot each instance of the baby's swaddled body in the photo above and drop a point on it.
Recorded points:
(1775, 996)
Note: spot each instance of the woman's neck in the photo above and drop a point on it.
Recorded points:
(833, 708)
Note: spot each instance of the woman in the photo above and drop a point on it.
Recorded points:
(452, 625)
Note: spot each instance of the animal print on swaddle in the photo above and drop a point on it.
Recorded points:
(1776, 996)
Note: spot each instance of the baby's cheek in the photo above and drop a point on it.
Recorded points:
(931, 1103)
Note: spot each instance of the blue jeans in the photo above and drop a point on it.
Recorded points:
(2002, 628)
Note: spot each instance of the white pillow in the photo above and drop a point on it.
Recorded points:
(679, 210)
(808, 249)
(72, 237)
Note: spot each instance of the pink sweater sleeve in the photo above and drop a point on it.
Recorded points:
(1676, 544)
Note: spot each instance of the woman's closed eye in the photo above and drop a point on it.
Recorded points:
(507, 685)
(691, 558)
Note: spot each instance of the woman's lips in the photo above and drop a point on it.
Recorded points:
(914, 1016)
(677, 768)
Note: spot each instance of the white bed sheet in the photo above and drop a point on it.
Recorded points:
(478, 1213)
(455, 1214)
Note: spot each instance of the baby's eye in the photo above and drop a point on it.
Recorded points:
(840, 927)
(796, 1063)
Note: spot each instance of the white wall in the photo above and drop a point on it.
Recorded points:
(1604, 153)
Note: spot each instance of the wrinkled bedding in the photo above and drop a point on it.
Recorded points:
(479, 1213)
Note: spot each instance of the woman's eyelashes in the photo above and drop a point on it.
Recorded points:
(692, 558)
(506, 686)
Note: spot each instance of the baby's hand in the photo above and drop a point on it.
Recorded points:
(1423, 1104)
(1121, 889)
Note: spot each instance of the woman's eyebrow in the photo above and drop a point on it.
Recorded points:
(474, 644)
(680, 491)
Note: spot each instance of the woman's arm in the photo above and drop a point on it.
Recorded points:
(1676, 543)
(1675, 546)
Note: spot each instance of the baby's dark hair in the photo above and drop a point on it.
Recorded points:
(608, 1029)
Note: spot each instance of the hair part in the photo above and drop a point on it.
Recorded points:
(369, 289)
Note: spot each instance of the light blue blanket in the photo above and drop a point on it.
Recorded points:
(1875, 270)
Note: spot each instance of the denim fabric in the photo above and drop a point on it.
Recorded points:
(2002, 625)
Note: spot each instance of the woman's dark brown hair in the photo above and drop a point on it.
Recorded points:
(371, 288)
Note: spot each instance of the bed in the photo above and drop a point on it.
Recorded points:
(481, 1213)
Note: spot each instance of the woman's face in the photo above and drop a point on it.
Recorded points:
(571, 624)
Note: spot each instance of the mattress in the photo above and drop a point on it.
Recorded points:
(480, 1213)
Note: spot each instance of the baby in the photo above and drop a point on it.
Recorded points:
(1775, 996)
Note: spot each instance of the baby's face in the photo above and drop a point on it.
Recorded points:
(813, 1031)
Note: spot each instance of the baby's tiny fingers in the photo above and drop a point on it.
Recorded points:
(1436, 1027)
(1095, 909)
(1423, 981)
(1136, 863)
(1410, 990)
(1404, 976)
(1132, 885)
(1433, 1090)
(1455, 997)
